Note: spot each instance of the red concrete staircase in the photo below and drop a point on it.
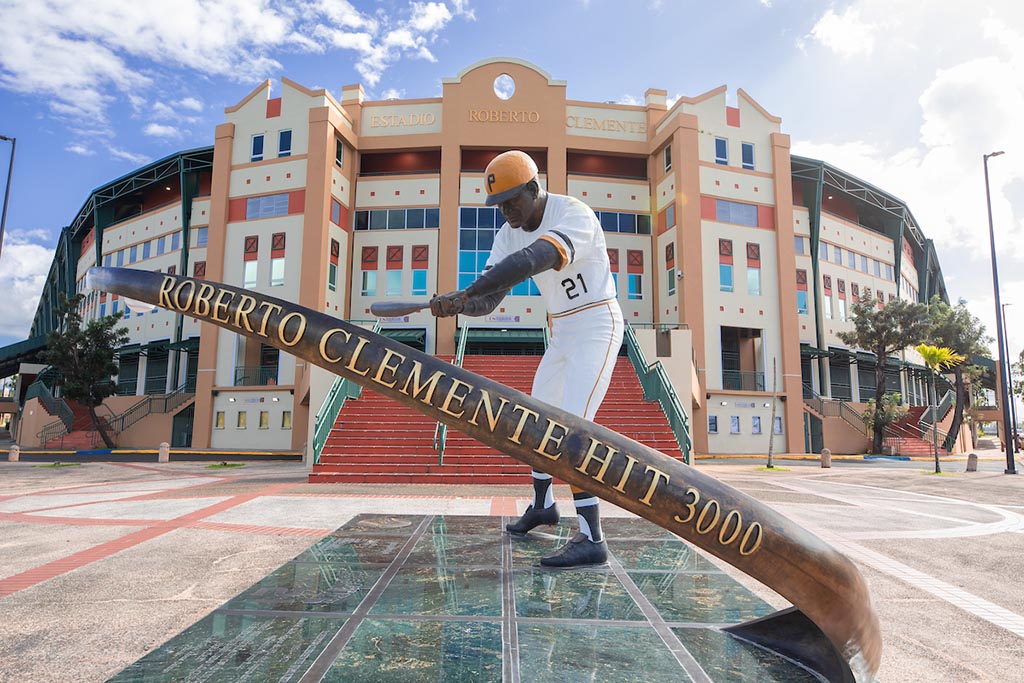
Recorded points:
(904, 435)
(376, 440)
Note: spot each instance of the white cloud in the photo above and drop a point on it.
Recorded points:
(392, 94)
(157, 130)
(80, 149)
(137, 159)
(845, 34)
(190, 103)
(84, 56)
(24, 265)
(631, 100)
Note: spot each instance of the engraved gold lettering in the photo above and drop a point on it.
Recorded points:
(630, 461)
(522, 423)
(202, 306)
(326, 338)
(282, 328)
(691, 507)
(164, 300)
(191, 294)
(221, 306)
(266, 318)
(733, 514)
(655, 480)
(363, 341)
(549, 437)
(491, 415)
(454, 396)
(246, 305)
(703, 514)
(414, 379)
(384, 366)
(591, 457)
(746, 549)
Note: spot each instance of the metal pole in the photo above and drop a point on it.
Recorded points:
(1009, 385)
(1011, 466)
(7, 192)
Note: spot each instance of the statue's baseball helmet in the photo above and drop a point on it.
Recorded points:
(507, 175)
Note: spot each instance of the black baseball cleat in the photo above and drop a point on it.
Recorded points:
(580, 551)
(534, 518)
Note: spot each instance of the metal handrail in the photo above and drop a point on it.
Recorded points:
(255, 375)
(743, 380)
(53, 430)
(54, 406)
(658, 387)
(441, 429)
(340, 391)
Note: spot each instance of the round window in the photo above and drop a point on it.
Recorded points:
(504, 86)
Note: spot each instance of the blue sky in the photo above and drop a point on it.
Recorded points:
(905, 94)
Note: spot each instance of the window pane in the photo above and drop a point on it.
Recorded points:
(362, 220)
(670, 215)
(755, 424)
(414, 218)
(339, 152)
(799, 243)
(609, 221)
(286, 419)
(219, 420)
(636, 290)
(394, 283)
(485, 218)
(734, 424)
(332, 277)
(378, 219)
(725, 277)
(467, 217)
(433, 218)
(748, 155)
(264, 419)
(754, 281)
(721, 151)
(838, 251)
(284, 143)
(369, 283)
(801, 302)
(643, 224)
(145, 246)
(396, 219)
(627, 223)
(257, 148)
(277, 272)
(419, 283)
(851, 259)
(249, 274)
(242, 419)
(467, 239)
(484, 240)
(713, 424)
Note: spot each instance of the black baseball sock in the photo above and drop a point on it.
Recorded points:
(589, 515)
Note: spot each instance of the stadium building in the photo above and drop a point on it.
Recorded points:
(736, 262)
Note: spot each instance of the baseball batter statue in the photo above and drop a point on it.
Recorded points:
(558, 241)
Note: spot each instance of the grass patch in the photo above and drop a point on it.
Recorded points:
(53, 465)
(225, 465)
(765, 468)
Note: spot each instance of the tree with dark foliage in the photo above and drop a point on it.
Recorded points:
(84, 356)
(884, 330)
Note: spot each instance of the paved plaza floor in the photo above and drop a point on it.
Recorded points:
(126, 571)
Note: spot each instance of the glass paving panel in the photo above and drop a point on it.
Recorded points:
(411, 598)
(569, 653)
(225, 648)
(420, 652)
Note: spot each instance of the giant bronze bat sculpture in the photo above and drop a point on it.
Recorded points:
(825, 588)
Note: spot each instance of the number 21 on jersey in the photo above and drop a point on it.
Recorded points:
(569, 284)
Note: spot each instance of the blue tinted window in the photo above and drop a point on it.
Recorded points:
(485, 218)
(433, 218)
(284, 143)
(419, 283)
(257, 148)
(636, 289)
(267, 206)
(414, 218)
(725, 277)
(747, 150)
(396, 219)
(721, 151)
(643, 224)
(735, 212)
(609, 221)
(362, 220)
(378, 220)
(627, 222)
(467, 217)
(801, 302)
(145, 248)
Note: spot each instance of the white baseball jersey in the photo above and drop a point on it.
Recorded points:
(584, 276)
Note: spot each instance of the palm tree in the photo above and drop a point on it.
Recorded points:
(937, 358)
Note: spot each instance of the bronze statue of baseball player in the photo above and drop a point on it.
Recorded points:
(558, 241)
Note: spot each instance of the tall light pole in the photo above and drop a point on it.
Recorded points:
(7, 192)
(1011, 466)
(1009, 384)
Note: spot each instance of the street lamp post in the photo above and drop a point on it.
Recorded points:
(1009, 384)
(1011, 466)
(7, 192)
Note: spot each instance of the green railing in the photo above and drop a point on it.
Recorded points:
(742, 380)
(152, 404)
(54, 406)
(255, 375)
(340, 391)
(441, 430)
(657, 386)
